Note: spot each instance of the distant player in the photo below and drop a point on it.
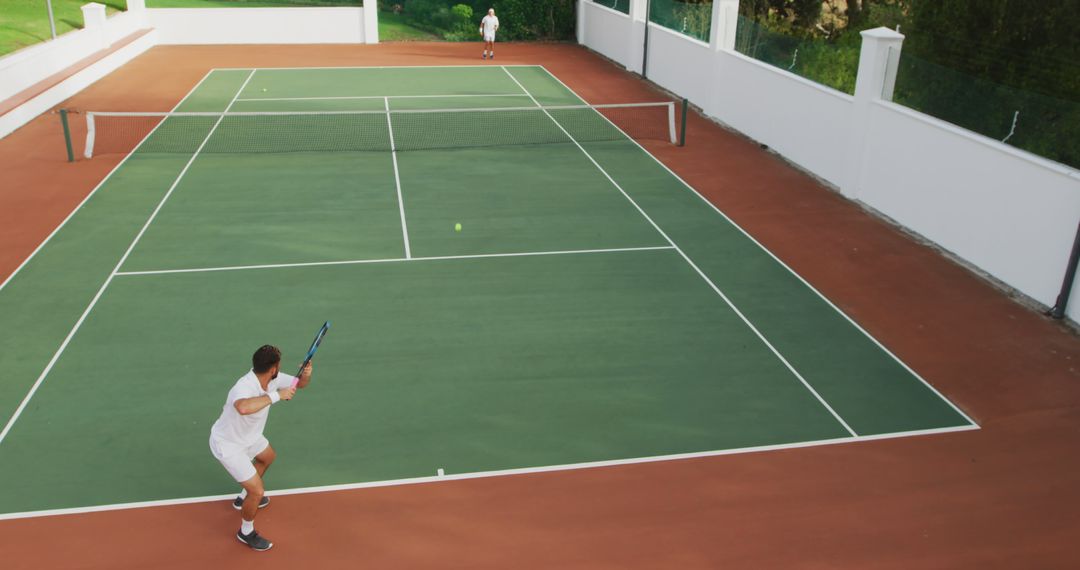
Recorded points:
(488, 26)
(237, 439)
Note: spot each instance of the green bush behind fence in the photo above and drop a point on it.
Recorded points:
(620, 5)
(690, 17)
(459, 20)
(1037, 123)
(831, 64)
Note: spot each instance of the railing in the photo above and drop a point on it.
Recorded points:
(1044, 125)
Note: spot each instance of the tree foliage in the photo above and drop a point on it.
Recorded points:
(1004, 68)
(459, 20)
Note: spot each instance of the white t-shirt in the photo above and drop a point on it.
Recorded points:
(488, 25)
(235, 432)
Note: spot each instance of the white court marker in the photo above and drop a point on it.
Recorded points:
(441, 472)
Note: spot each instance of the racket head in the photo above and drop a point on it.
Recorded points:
(311, 351)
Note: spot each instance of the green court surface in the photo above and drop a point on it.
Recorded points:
(593, 309)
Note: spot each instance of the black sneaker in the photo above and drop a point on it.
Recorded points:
(255, 541)
(238, 503)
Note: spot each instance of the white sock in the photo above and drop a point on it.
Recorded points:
(243, 494)
(485, 52)
(247, 527)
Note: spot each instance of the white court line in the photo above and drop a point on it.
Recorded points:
(368, 67)
(397, 179)
(349, 98)
(105, 285)
(393, 260)
(100, 184)
(728, 301)
(778, 260)
(494, 473)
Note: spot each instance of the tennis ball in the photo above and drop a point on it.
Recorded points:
(264, 90)
(457, 227)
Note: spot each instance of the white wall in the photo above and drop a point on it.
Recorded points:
(30, 66)
(802, 120)
(676, 61)
(26, 67)
(608, 30)
(258, 25)
(70, 86)
(1005, 211)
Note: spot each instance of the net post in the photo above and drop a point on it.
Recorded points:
(682, 126)
(672, 138)
(67, 134)
(89, 152)
(1058, 311)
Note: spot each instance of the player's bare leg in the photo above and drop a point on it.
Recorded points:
(262, 462)
(250, 508)
(254, 488)
(489, 48)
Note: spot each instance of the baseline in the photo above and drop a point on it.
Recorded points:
(498, 473)
(350, 98)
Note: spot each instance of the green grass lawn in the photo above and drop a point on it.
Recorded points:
(392, 28)
(26, 22)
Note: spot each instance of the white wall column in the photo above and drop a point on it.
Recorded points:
(875, 75)
(94, 23)
(581, 23)
(721, 38)
(875, 79)
(371, 22)
(638, 20)
(725, 18)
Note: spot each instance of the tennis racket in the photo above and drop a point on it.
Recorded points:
(311, 351)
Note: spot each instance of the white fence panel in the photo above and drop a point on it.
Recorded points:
(258, 25)
(609, 31)
(807, 123)
(680, 64)
(1005, 211)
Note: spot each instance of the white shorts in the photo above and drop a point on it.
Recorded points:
(489, 37)
(239, 464)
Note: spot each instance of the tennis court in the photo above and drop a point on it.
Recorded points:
(593, 309)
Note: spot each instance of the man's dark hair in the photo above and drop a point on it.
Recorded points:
(265, 358)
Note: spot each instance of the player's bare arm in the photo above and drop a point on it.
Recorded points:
(304, 377)
(246, 406)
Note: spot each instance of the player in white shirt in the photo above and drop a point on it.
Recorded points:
(237, 439)
(488, 26)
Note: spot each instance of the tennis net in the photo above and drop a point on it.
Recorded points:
(402, 130)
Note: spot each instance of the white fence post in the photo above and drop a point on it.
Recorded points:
(874, 81)
(725, 18)
(875, 75)
(94, 23)
(371, 22)
(581, 23)
(638, 20)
